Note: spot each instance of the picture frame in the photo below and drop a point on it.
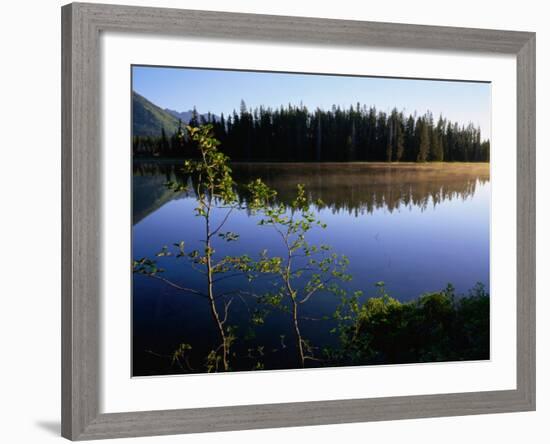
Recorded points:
(82, 25)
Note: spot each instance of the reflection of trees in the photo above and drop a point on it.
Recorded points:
(352, 188)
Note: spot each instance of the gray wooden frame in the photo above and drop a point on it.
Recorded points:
(81, 166)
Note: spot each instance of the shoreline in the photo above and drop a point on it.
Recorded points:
(289, 163)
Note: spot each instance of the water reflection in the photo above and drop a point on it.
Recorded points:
(415, 227)
(352, 188)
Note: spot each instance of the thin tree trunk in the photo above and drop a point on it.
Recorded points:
(295, 325)
(211, 298)
(299, 342)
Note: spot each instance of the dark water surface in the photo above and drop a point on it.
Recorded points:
(415, 227)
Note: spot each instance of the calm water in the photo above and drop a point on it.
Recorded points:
(415, 227)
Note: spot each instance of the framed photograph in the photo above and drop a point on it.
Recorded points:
(278, 221)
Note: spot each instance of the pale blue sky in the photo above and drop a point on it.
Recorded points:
(218, 91)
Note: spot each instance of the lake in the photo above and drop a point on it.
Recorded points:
(416, 227)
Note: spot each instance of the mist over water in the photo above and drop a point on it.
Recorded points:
(415, 227)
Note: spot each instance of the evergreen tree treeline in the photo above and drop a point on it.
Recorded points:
(294, 133)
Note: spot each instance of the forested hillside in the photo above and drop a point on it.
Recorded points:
(295, 133)
(150, 120)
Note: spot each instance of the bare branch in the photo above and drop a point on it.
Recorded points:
(248, 293)
(315, 289)
(176, 286)
(306, 318)
(226, 310)
(311, 293)
(226, 293)
(226, 277)
(222, 223)
(311, 358)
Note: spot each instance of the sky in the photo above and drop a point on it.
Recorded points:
(221, 91)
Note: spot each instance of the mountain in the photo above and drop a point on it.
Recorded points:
(185, 116)
(148, 119)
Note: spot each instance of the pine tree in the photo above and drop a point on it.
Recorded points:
(389, 139)
(293, 133)
(399, 139)
(424, 141)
